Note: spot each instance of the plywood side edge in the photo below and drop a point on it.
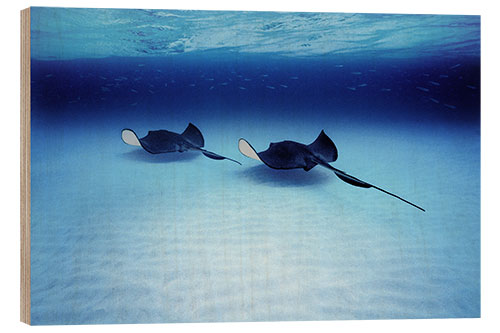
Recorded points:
(25, 167)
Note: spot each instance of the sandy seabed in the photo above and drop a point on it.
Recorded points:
(121, 236)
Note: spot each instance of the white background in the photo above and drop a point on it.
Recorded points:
(9, 158)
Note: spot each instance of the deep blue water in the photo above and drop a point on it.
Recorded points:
(120, 236)
(365, 90)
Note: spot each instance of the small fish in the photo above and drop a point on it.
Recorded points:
(270, 87)
(434, 100)
(166, 84)
(247, 79)
(471, 87)
(151, 92)
(209, 79)
(283, 85)
(351, 88)
(450, 106)
(265, 75)
(362, 85)
(134, 91)
(426, 74)
(134, 104)
(455, 66)
(385, 89)
(372, 70)
(443, 76)
(141, 65)
(294, 77)
(434, 83)
(211, 87)
(356, 73)
(159, 70)
(423, 89)
(339, 66)
(243, 88)
(192, 85)
(50, 75)
(103, 77)
(224, 84)
(105, 89)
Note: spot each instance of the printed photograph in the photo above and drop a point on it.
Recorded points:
(222, 166)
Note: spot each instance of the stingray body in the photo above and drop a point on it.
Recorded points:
(294, 155)
(163, 141)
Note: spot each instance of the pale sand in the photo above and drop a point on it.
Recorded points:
(119, 236)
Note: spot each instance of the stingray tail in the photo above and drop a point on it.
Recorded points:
(215, 156)
(359, 183)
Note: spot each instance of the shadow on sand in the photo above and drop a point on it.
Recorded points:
(264, 175)
(139, 155)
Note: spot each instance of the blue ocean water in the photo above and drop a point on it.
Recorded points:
(122, 236)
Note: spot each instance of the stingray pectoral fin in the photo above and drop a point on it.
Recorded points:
(358, 182)
(193, 135)
(247, 150)
(309, 166)
(215, 156)
(130, 138)
(324, 147)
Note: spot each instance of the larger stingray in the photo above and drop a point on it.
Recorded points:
(163, 141)
(294, 155)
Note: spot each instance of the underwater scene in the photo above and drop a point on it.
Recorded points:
(156, 195)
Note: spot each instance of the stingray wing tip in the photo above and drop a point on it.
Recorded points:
(246, 149)
(130, 138)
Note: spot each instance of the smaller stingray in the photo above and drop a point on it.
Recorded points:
(163, 141)
(295, 155)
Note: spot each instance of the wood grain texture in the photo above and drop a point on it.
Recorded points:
(25, 167)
